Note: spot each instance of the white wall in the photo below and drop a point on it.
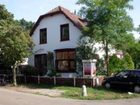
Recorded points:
(52, 24)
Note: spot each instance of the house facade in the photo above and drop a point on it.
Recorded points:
(58, 32)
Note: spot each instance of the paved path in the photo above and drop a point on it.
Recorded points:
(9, 97)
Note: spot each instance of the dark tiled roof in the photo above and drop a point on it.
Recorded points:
(76, 20)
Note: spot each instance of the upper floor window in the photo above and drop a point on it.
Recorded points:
(43, 36)
(64, 31)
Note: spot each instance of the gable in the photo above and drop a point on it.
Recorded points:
(76, 20)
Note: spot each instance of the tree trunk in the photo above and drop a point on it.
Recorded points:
(14, 75)
(106, 57)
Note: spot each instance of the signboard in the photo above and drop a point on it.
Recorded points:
(89, 68)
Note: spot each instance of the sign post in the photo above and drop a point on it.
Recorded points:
(89, 68)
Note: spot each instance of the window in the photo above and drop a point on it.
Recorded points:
(123, 73)
(43, 36)
(65, 60)
(41, 61)
(64, 31)
(136, 73)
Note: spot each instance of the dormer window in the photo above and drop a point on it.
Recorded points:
(64, 32)
(43, 35)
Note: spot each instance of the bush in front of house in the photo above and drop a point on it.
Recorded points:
(127, 62)
(101, 73)
(52, 73)
(29, 70)
(116, 64)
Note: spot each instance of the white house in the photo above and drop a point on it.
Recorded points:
(57, 31)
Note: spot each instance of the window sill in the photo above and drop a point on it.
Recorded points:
(64, 40)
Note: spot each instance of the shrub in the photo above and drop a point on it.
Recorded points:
(127, 62)
(50, 61)
(29, 70)
(101, 72)
(115, 64)
(52, 73)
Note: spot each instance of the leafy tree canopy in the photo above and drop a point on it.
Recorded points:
(134, 51)
(26, 25)
(108, 22)
(15, 43)
(4, 14)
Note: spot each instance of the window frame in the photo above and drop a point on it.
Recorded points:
(68, 60)
(42, 65)
(42, 40)
(61, 32)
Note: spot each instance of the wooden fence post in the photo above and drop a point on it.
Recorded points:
(25, 79)
(74, 82)
(54, 80)
(38, 78)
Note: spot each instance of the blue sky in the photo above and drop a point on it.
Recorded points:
(32, 9)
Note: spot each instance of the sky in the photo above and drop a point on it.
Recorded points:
(30, 10)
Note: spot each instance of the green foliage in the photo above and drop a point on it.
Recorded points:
(107, 22)
(115, 64)
(50, 61)
(138, 29)
(50, 64)
(127, 62)
(101, 72)
(4, 14)
(125, 42)
(52, 73)
(84, 52)
(26, 25)
(29, 71)
(15, 43)
(134, 51)
(100, 64)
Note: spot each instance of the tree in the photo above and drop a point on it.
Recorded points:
(107, 22)
(4, 14)
(26, 25)
(125, 42)
(134, 51)
(84, 52)
(138, 29)
(15, 43)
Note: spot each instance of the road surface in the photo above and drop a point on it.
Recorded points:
(9, 97)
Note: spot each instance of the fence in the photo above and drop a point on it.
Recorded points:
(78, 81)
(90, 82)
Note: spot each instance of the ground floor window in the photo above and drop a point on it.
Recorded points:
(41, 61)
(65, 60)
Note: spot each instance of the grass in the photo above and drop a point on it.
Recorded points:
(98, 93)
(95, 93)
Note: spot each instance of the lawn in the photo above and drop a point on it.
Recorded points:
(98, 93)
